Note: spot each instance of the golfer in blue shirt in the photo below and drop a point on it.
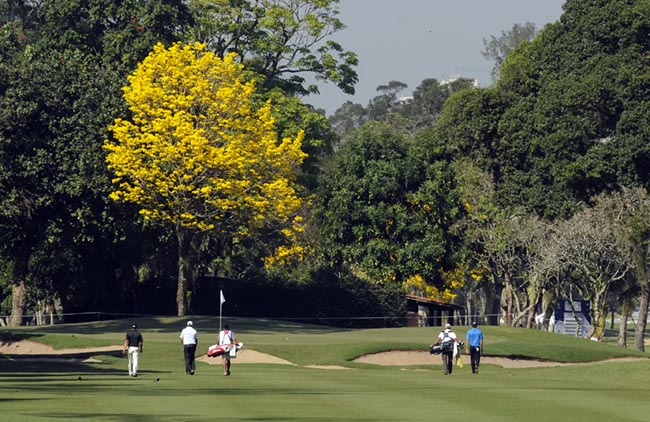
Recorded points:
(475, 346)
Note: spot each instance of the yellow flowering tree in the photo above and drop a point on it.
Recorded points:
(418, 286)
(196, 155)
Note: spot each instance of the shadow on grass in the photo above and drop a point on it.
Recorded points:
(25, 368)
(76, 355)
(38, 367)
(7, 337)
(167, 325)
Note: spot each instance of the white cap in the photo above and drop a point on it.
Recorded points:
(448, 326)
(190, 323)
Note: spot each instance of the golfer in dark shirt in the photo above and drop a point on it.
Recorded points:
(133, 346)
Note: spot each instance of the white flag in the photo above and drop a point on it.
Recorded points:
(223, 299)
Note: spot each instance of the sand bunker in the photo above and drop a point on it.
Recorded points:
(405, 358)
(26, 347)
(399, 358)
(252, 356)
(46, 353)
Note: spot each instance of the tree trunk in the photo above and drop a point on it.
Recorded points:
(622, 329)
(181, 292)
(507, 305)
(644, 298)
(639, 333)
(494, 303)
(598, 318)
(18, 290)
(549, 303)
(468, 306)
(530, 319)
(18, 301)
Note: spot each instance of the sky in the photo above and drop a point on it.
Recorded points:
(413, 40)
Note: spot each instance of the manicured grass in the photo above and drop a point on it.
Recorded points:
(51, 391)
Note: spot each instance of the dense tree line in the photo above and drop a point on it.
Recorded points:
(503, 198)
(552, 165)
(63, 66)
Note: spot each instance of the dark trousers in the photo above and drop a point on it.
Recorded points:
(448, 362)
(475, 357)
(189, 350)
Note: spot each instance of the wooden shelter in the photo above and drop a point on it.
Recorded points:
(423, 312)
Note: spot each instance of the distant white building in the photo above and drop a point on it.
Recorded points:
(404, 100)
(455, 78)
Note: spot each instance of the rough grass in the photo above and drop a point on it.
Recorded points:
(49, 391)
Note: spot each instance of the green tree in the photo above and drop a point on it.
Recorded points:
(58, 92)
(468, 128)
(497, 49)
(386, 207)
(410, 114)
(423, 109)
(347, 118)
(566, 120)
(591, 248)
(281, 40)
(121, 32)
(634, 204)
(292, 116)
(50, 175)
(509, 244)
(476, 191)
(380, 107)
(502, 248)
(573, 121)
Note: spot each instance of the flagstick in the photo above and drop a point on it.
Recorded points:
(221, 301)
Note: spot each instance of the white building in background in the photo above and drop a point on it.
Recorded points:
(455, 78)
(404, 100)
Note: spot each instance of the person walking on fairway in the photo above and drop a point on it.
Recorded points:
(190, 339)
(227, 340)
(133, 347)
(448, 340)
(475, 346)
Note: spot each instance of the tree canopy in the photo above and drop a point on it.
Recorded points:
(565, 122)
(195, 154)
(281, 40)
(385, 209)
(562, 128)
(510, 196)
(497, 49)
(59, 89)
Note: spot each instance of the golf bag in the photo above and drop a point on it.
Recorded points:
(435, 349)
(444, 347)
(215, 350)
